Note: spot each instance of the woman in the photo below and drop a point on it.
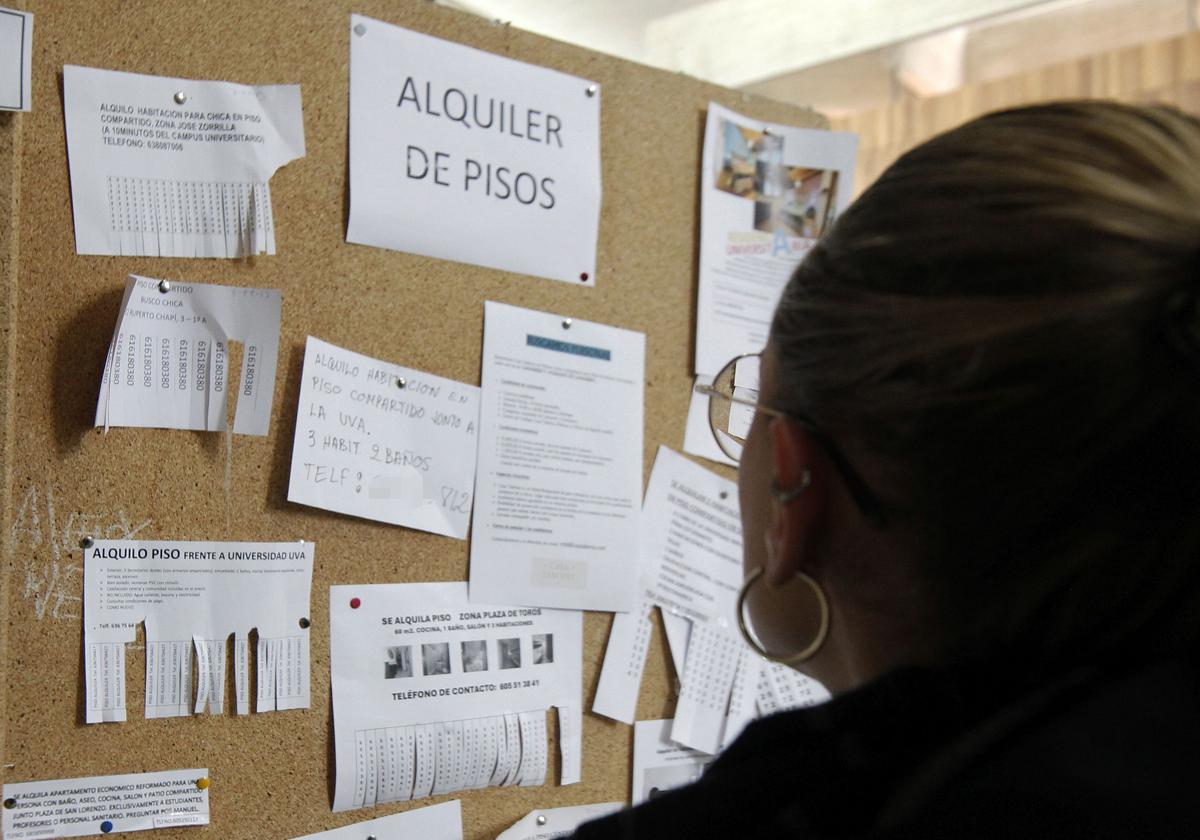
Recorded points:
(971, 500)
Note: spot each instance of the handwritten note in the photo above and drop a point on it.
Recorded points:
(165, 167)
(167, 364)
(16, 59)
(463, 155)
(384, 442)
(105, 804)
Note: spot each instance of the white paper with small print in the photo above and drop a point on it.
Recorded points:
(105, 804)
(433, 693)
(436, 822)
(560, 462)
(191, 597)
(167, 167)
(384, 442)
(168, 361)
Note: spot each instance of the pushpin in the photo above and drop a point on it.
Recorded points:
(724, 494)
(401, 382)
(203, 783)
(10, 803)
(359, 29)
(583, 276)
(355, 603)
(541, 819)
(87, 542)
(180, 97)
(369, 836)
(164, 286)
(106, 826)
(591, 90)
(566, 323)
(304, 622)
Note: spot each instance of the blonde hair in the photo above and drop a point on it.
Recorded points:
(1006, 325)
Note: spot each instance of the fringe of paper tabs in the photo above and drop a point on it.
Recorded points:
(156, 217)
(400, 763)
(281, 665)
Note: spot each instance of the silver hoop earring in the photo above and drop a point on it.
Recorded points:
(792, 493)
(752, 639)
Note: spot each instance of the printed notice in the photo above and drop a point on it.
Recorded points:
(16, 59)
(167, 364)
(767, 193)
(691, 567)
(384, 442)
(464, 155)
(549, 823)
(191, 597)
(433, 693)
(659, 763)
(105, 804)
(437, 822)
(165, 167)
(560, 462)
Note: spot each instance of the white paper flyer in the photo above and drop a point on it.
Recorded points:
(105, 804)
(767, 192)
(436, 822)
(192, 596)
(433, 693)
(559, 480)
(168, 360)
(164, 167)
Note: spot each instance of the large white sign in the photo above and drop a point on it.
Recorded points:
(463, 155)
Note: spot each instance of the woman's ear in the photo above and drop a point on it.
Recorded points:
(798, 500)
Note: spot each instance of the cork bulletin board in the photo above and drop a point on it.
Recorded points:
(63, 479)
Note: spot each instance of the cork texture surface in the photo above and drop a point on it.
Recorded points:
(63, 479)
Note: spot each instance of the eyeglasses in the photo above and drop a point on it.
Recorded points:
(732, 404)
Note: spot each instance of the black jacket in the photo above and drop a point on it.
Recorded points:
(973, 753)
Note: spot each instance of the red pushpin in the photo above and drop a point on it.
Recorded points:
(355, 603)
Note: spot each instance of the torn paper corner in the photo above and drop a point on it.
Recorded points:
(175, 167)
(167, 365)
